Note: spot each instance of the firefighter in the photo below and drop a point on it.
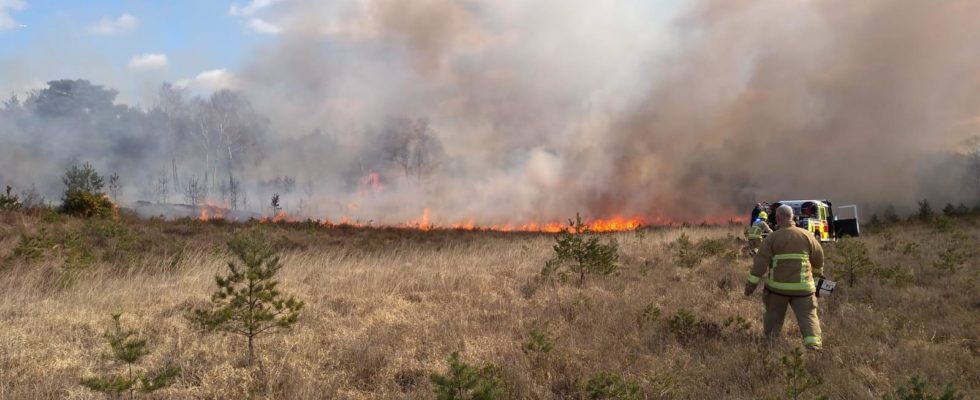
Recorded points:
(755, 232)
(790, 258)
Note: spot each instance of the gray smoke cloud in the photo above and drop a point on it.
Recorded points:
(555, 107)
(533, 111)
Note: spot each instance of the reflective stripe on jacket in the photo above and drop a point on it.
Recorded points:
(790, 258)
(757, 229)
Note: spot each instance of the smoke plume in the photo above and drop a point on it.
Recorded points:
(507, 112)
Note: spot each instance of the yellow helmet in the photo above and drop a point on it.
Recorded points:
(763, 215)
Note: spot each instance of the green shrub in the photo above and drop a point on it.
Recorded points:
(951, 258)
(688, 255)
(34, 247)
(895, 274)
(9, 202)
(738, 324)
(608, 385)
(578, 251)
(709, 247)
(87, 205)
(942, 224)
(851, 257)
(796, 378)
(128, 348)
(650, 314)
(83, 193)
(248, 301)
(684, 325)
(464, 382)
(911, 249)
(918, 389)
(925, 213)
(539, 342)
(75, 251)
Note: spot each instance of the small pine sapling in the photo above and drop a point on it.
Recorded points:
(918, 389)
(608, 385)
(579, 251)
(688, 255)
(9, 202)
(128, 349)
(797, 379)
(852, 257)
(248, 301)
(464, 382)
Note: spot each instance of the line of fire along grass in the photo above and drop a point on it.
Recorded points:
(314, 224)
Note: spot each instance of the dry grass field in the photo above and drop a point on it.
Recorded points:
(385, 308)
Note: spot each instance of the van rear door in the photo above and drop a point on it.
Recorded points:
(846, 221)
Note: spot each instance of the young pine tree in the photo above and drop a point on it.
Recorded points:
(248, 301)
(925, 211)
(128, 349)
(853, 259)
(464, 382)
(9, 202)
(797, 379)
(580, 252)
(83, 195)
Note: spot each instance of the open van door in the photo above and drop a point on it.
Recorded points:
(846, 222)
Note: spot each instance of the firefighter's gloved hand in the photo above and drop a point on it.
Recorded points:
(819, 285)
(749, 289)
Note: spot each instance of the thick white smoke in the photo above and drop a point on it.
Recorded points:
(551, 107)
(536, 110)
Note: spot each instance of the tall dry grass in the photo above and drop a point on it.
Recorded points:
(385, 308)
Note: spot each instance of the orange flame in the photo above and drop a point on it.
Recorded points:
(211, 211)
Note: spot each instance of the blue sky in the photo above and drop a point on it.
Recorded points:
(134, 45)
(128, 44)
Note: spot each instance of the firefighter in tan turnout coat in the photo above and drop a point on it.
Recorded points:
(757, 231)
(789, 259)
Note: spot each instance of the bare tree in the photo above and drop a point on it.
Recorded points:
(171, 102)
(194, 191)
(411, 145)
(234, 188)
(115, 187)
(162, 187)
(275, 204)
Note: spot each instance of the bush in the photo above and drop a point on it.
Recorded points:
(954, 255)
(128, 349)
(688, 256)
(738, 324)
(918, 389)
(895, 274)
(9, 202)
(248, 302)
(578, 251)
(83, 193)
(649, 314)
(797, 379)
(34, 247)
(464, 382)
(925, 213)
(87, 205)
(851, 256)
(82, 179)
(942, 224)
(539, 342)
(713, 247)
(608, 385)
(684, 325)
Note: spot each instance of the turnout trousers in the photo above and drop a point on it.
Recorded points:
(805, 309)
